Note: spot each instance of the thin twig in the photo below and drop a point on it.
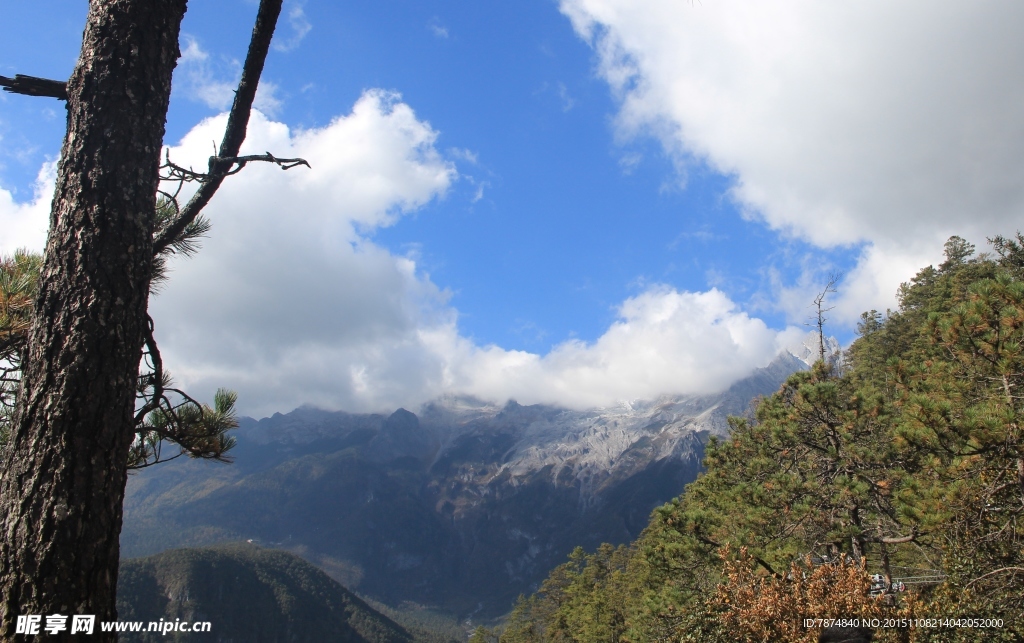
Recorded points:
(997, 571)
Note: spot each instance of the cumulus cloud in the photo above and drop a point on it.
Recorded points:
(290, 302)
(287, 293)
(890, 124)
(663, 342)
(24, 225)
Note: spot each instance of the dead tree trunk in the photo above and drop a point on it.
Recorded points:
(63, 484)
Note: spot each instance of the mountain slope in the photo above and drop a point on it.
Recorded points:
(248, 594)
(461, 506)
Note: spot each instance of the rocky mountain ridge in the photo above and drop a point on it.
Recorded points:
(461, 506)
(586, 445)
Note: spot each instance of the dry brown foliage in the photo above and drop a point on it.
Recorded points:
(765, 608)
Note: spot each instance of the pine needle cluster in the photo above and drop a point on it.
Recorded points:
(165, 415)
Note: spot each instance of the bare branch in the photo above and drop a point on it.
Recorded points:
(157, 376)
(284, 164)
(896, 540)
(994, 572)
(232, 165)
(238, 121)
(820, 318)
(757, 559)
(33, 86)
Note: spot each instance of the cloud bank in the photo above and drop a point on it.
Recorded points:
(290, 301)
(892, 124)
(664, 342)
(886, 126)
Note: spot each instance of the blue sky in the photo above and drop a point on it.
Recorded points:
(571, 188)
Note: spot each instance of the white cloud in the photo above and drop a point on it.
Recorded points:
(894, 124)
(438, 29)
(205, 80)
(192, 53)
(464, 155)
(479, 194)
(213, 81)
(267, 100)
(289, 302)
(568, 102)
(664, 341)
(630, 161)
(24, 225)
(299, 24)
(287, 293)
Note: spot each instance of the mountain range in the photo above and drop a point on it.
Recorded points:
(460, 506)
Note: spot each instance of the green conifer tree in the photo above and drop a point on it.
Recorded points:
(164, 414)
(908, 463)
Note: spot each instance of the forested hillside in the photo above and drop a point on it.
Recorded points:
(906, 463)
(250, 594)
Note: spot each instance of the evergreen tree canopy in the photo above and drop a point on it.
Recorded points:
(905, 467)
(164, 414)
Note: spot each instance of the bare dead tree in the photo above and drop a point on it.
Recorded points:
(819, 318)
(65, 466)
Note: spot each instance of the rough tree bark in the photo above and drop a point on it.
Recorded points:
(62, 487)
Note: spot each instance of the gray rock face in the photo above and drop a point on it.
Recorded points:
(462, 506)
(401, 436)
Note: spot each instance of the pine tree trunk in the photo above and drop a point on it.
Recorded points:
(64, 474)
